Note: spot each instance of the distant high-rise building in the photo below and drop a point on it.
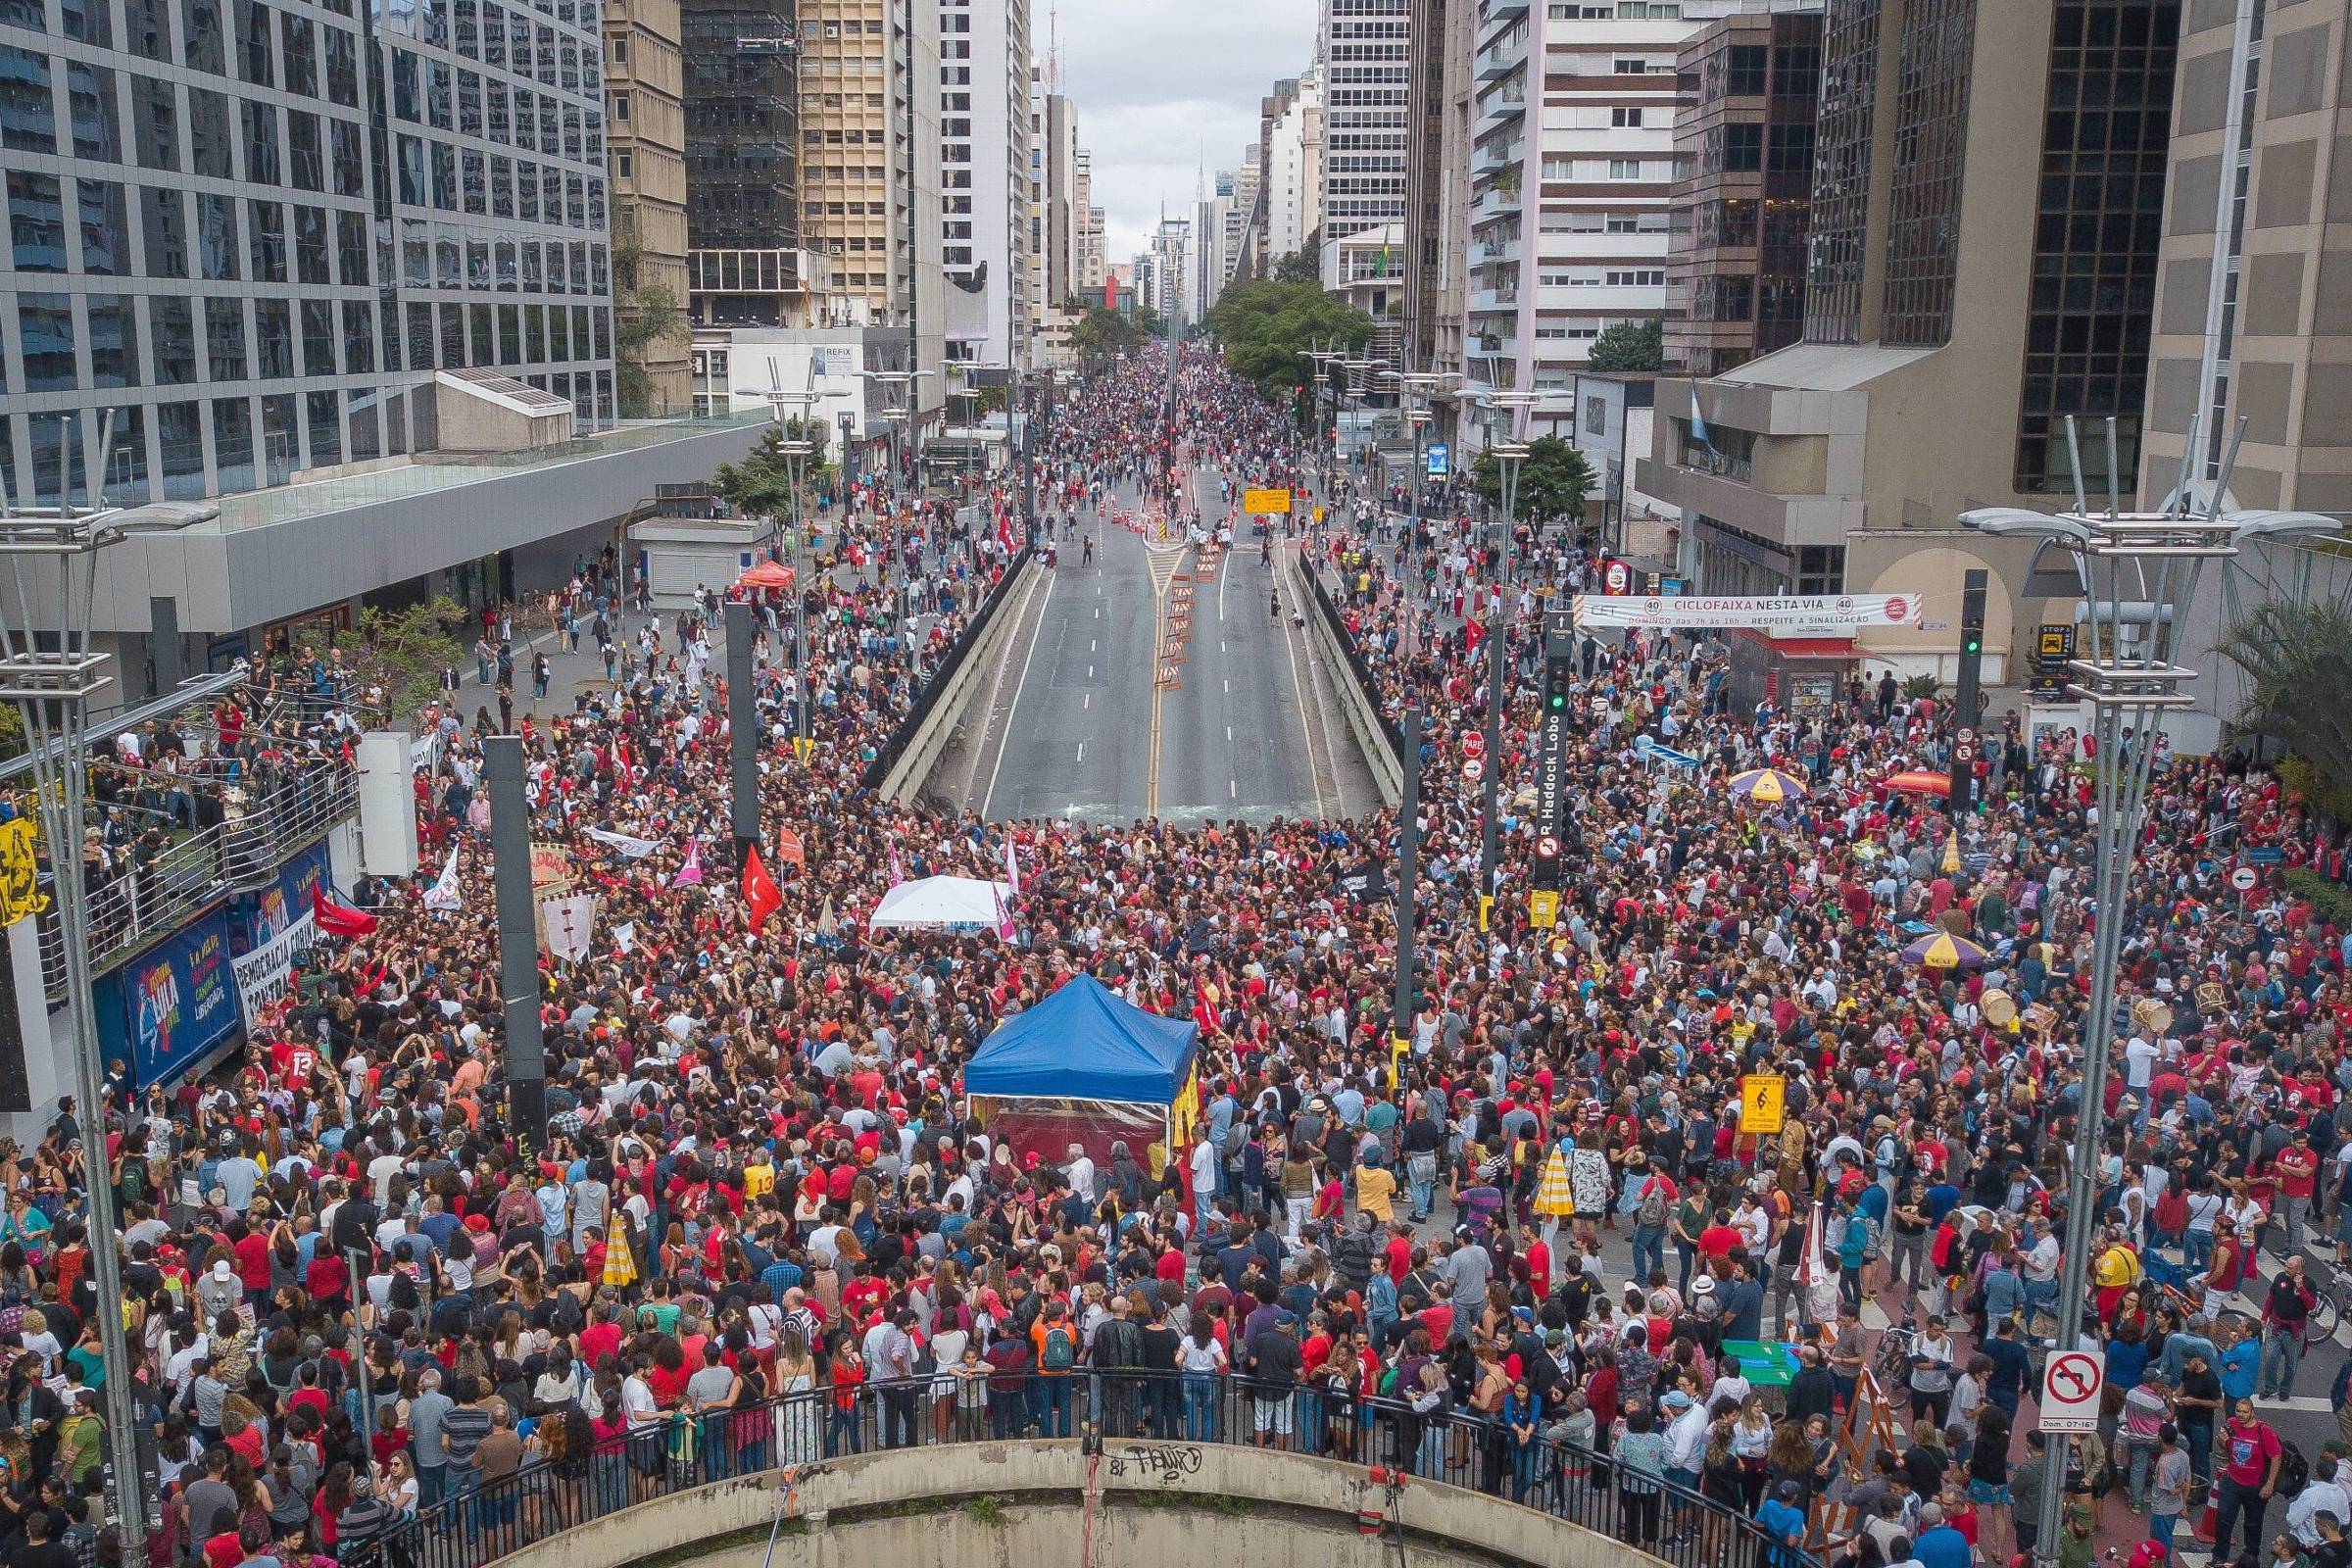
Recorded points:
(984, 77)
(742, 103)
(646, 152)
(1365, 49)
(1939, 356)
(1097, 252)
(848, 189)
(1291, 165)
(1735, 268)
(1436, 195)
(1243, 208)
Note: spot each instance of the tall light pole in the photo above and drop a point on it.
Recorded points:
(1414, 389)
(51, 669)
(794, 443)
(2138, 575)
(1323, 358)
(1509, 455)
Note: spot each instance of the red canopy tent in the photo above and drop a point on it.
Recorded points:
(769, 574)
(1919, 783)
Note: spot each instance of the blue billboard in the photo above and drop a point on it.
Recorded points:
(171, 1004)
(259, 916)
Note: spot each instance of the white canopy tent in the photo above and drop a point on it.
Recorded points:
(942, 901)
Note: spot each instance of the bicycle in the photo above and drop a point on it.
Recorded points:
(1893, 1362)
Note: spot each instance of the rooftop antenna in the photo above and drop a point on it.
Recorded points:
(1053, 48)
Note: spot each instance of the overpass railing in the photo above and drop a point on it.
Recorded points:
(484, 1522)
(943, 678)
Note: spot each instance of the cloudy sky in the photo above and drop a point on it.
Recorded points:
(1166, 86)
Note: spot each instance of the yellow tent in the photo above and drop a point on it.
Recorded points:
(1554, 1198)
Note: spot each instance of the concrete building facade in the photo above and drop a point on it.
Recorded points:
(741, 70)
(983, 96)
(1743, 154)
(1367, 70)
(1291, 165)
(1954, 265)
(645, 150)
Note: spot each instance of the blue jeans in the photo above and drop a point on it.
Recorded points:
(432, 1484)
(1199, 1407)
(1649, 1252)
(1053, 1405)
(2196, 1249)
(840, 1430)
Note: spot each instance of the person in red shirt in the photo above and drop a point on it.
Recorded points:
(2298, 1171)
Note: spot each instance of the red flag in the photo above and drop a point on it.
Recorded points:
(1474, 632)
(761, 899)
(339, 920)
(788, 848)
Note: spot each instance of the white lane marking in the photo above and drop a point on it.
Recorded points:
(1090, 672)
(1086, 701)
(1090, 645)
(1015, 709)
(1082, 751)
(1229, 734)
(1229, 684)
(1221, 648)
(1233, 789)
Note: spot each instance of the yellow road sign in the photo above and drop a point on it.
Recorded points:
(1544, 908)
(1763, 1102)
(1262, 503)
(1486, 910)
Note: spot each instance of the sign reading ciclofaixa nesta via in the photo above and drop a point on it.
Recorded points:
(1696, 612)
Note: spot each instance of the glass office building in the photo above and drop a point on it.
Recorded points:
(244, 235)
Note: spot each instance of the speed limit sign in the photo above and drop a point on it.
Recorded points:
(2244, 878)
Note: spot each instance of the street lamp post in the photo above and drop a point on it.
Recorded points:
(1414, 390)
(796, 450)
(1323, 358)
(1509, 455)
(51, 672)
(2138, 574)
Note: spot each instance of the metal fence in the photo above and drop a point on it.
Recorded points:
(928, 698)
(1357, 669)
(155, 896)
(479, 1522)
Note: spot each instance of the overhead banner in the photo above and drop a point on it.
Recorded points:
(263, 973)
(1832, 613)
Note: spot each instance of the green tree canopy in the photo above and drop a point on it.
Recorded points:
(1630, 348)
(2289, 650)
(760, 485)
(1553, 480)
(1100, 334)
(1304, 264)
(1268, 327)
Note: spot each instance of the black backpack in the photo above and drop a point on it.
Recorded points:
(2294, 1471)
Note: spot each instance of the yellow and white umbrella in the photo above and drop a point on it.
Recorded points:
(1554, 1198)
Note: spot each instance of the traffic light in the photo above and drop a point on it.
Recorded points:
(1972, 617)
(1559, 675)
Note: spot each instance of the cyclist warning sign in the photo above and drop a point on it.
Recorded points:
(1267, 503)
(1763, 1102)
(2069, 1390)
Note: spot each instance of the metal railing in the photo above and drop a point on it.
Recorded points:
(1358, 668)
(903, 735)
(480, 1523)
(154, 897)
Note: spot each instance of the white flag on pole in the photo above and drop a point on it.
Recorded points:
(443, 894)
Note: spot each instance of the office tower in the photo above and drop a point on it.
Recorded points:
(741, 161)
(1438, 201)
(1061, 235)
(1364, 47)
(848, 129)
(198, 190)
(1290, 160)
(1571, 175)
(1083, 248)
(1098, 251)
(2254, 287)
(983, 96)
(1735, 270)
(1241, 217)
(645, 119)
(1939, 356)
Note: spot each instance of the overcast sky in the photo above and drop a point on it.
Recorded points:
(1166, 86)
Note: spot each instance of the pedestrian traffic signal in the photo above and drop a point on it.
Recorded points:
(1558, 675)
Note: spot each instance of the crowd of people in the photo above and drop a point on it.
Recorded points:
(765, 1225)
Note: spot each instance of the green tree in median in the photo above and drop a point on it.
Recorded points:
(1553, 480)
(1629, 348)
(1268, 327)
(2291, 650)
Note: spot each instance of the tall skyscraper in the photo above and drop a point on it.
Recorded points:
(1437, 191)
(645, 115)
(1939, 356)
(848, 129)
(1735, 270)
(1365, 49)
(1292, 163)
(214, 242)
(742, 160)
(984, 75)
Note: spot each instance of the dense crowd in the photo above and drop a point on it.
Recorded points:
(766, 1225)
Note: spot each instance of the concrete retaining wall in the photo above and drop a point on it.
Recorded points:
(907, 775)
(1362, 710)
(1017, 1504)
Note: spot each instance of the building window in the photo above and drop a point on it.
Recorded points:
(1626, 116)
(621, 108)
(1819, 569)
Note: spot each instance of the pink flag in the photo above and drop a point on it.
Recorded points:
(897, 873)
(1012, 867)
(1004, 919)
(690, 875)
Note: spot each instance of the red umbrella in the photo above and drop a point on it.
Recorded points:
(1921, 783)
(769, 574)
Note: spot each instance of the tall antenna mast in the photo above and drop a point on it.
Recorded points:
(1053, 48)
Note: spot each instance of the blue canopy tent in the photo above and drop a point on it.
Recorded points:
(1085, 1067)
